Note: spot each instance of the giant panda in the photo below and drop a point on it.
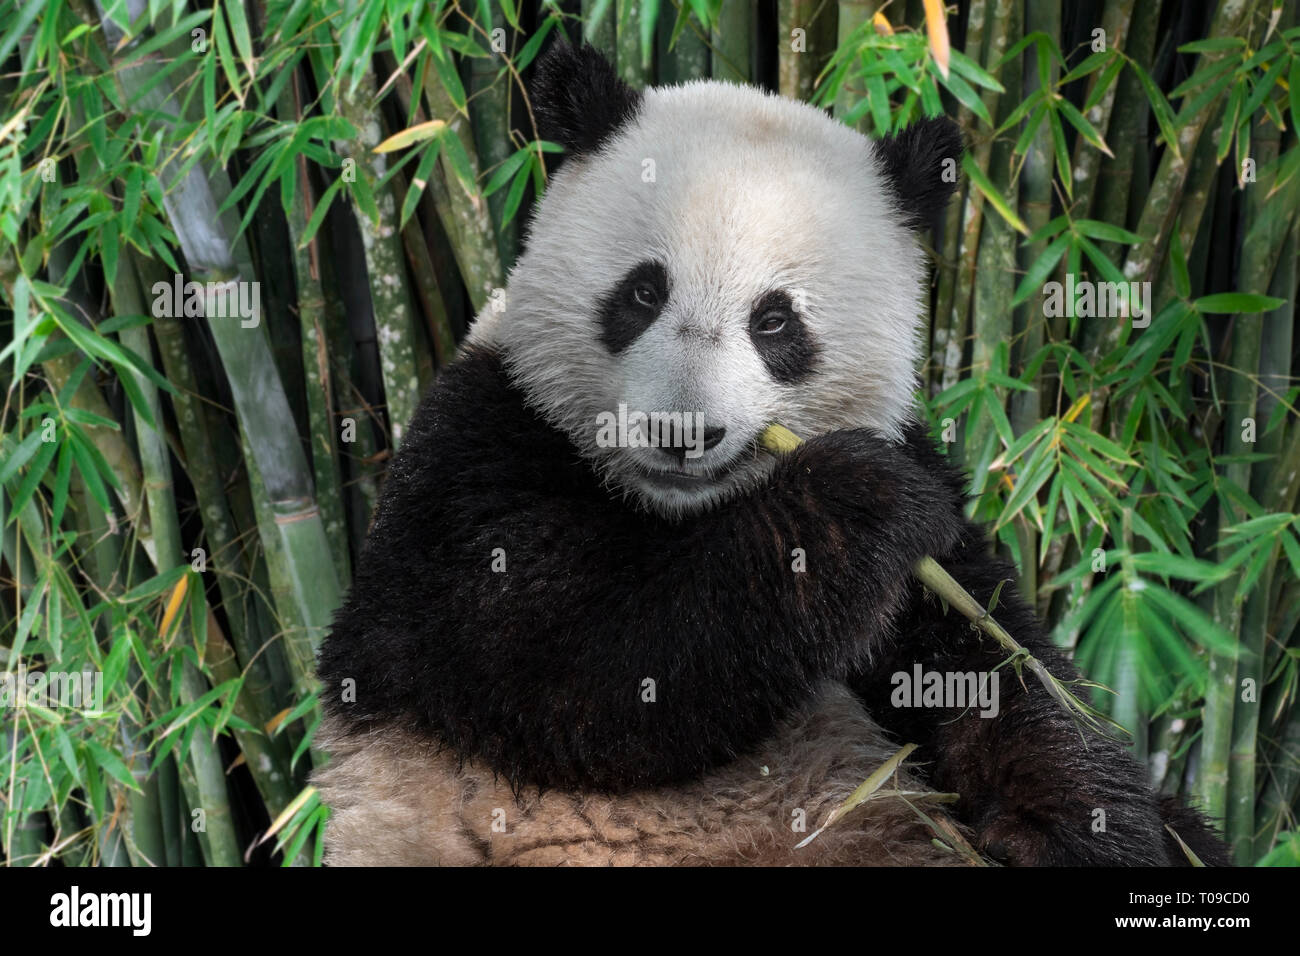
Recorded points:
(560, 649)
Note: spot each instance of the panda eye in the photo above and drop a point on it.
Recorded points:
(770, 323)
(645, 295)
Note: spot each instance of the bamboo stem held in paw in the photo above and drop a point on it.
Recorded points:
(780, 440)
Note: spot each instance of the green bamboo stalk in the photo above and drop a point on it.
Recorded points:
(203, 776)
(1227, 671)
(1163, 200)
(267, 763)
(852, 15)
(732, 42)
(1198, 192)
(1036, 211)
(192, 199)
(1116, 17)
(135, 837)
(995, 259)
(430, 296)
(148, 844)
(489, 112)
(1275, 364)
(111, 444)
(1274, 810)
(285, 619)
(169, 806)
(22, 835)
(322, 423)
(688, 59)
(102, 555)
(116, 843)
(390, 298)
(601, 33)
(1126, 131)
(228, 556)
(631, 66)
(949, 322)
(963, 299)
(1265, 230)
(798, 68)
(471, 230)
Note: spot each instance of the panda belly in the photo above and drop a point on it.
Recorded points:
(397, 800)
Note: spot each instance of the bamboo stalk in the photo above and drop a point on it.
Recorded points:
(963, 297)
(472, 234)
(426, 288)
(995, 258)
(111, 444)
(1265, 230)
(227, 555)
(489, 113)
(1163, 200)
(688, 59)
(732, 40)
(852, 15)
(780, 440)
(1026, 408)
(191, 200)
(949, 323)
(322, 423)
(1126, 131)
(390, 299)
(203, 776)
(267, 764)
(798, 68)
(631, 66)
(601, 33)
(1116, 16)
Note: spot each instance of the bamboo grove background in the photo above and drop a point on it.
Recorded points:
(182, 498)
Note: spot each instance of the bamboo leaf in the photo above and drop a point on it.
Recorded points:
(414, 134)
(991, 194)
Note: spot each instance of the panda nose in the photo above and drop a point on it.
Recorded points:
(711, 438)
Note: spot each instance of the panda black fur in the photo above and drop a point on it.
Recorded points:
(765, 271)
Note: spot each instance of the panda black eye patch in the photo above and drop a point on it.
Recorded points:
(783, 341)
(632, 305)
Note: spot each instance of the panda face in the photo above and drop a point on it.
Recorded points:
(716, 260)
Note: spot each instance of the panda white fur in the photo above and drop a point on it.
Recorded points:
(714, 250)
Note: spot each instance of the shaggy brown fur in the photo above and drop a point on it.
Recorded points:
(398, 801)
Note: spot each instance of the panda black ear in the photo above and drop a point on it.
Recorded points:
(578, 99)
(920, 164)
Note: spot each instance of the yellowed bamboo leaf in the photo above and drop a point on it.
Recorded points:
(411, 135)
(864, 791)
(936, 25)
(287, 814)
(277, 720)
(173, 606)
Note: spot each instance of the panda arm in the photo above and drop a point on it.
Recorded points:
(542, 665)
(1034, 786)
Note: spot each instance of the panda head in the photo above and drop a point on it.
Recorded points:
(709, 259)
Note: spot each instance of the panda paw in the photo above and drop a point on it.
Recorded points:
(1142, 838)
(880, 491)
(1020, 840)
